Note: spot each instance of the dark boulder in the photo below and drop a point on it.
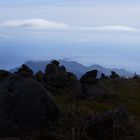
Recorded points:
(51, 69)
(114, 75)
(103, 76)
(55, 62)
(4, 74)
(39, 76)
(25, 107)
(56, 78)
(92, 87)
(97, 91)
(63, 69)
(107, 126)
(71, 77)
(25, 71)
(89, 77)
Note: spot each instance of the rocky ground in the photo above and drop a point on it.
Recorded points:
(55, 105)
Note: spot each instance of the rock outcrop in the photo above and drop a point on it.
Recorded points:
(25, 71)
(114, 75)
(89, 77)
(25, 106)
(56, 77)
(39, 76)
(92, 87)
(103, 76)
(4, 74)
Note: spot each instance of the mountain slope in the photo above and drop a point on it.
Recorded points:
(75, 67)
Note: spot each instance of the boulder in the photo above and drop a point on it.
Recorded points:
(55, 62)
(92, 87)
(56, 78)
(108, 125)
(103, 76)
(114, 75)
(4, 74)
(25, 106)
(52, 69)
(39, 76)
(63, 69)
(89, 77)
(25, 71)
(97, 91)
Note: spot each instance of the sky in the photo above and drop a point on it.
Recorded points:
(104, 32)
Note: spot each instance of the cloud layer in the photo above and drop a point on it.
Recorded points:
(110, 28)
(36, 23)
(49, 25)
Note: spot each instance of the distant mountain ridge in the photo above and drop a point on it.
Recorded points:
(75, 67)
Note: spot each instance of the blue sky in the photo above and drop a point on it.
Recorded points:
(64, 2)
(91, 32)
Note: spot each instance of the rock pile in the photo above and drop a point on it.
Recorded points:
(57, 78)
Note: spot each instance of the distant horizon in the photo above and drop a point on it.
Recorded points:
(101, 56)
(69, 60)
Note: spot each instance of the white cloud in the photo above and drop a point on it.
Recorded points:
(110, 28)
(36, 23)
(49, 25)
